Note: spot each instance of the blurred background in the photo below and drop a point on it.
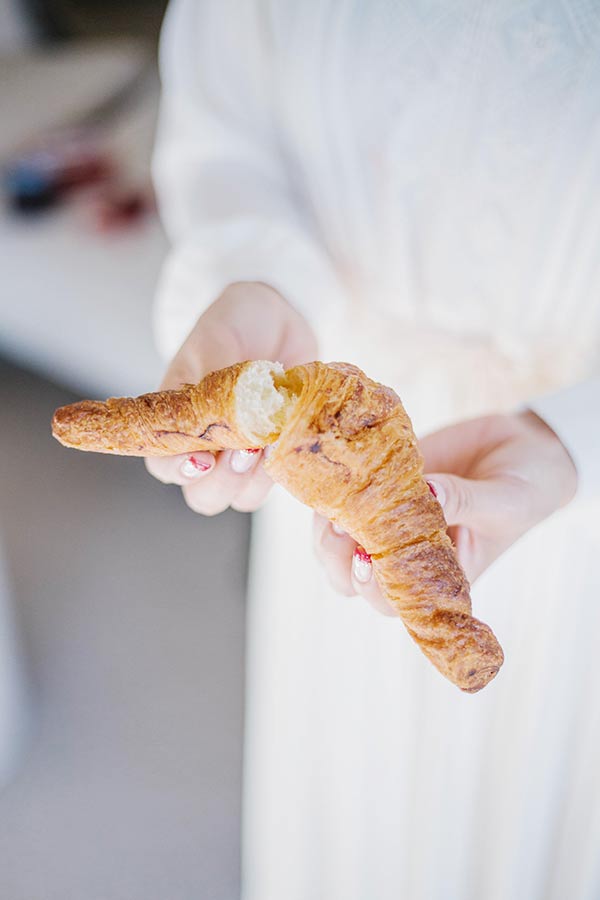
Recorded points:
(121, 612)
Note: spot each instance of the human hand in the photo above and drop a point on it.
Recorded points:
(248, 321)
(495, 478)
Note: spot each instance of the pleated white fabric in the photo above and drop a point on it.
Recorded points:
(369, 777)
(421, 180)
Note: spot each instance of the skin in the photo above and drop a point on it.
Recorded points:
(495, 476)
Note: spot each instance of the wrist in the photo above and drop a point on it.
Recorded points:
(555, 451)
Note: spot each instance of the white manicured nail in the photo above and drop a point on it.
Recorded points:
(192, 467)
(336, 528)
(243, 460)
(361, 566)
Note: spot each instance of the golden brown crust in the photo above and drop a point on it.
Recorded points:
(349, 452)
(196, 417)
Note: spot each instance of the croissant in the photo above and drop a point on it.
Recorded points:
(342, 444)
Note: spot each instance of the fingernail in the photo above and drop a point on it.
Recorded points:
(361, 565)
(243, 460)
(269, 449)
(337, 529)
(192, 467)
(438, 492)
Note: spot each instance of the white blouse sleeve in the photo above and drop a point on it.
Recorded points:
(574, 414)
(220, 175)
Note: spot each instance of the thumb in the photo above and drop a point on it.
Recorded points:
(209, 346)
(480, 504)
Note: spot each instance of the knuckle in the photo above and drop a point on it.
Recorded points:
(156, 468)
(244, 506)
(165, 478)
(250, 501)
(203, 503)
(206, 508)
(195, 504)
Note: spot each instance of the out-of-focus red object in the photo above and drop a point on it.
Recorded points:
(72, 162)
(117, 207)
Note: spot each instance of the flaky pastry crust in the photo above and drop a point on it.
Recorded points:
(347, 450)
(195, 417)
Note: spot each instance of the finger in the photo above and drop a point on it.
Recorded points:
(320, 523)
(458, 497)
(255, 492)
(334, 552)
(456, 447)
(181, 469)
(242, 462)
(364, 582)
(210, 496)
(476, 552)
(491, 506)
(209, 347)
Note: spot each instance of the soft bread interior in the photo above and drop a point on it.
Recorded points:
(263, 401)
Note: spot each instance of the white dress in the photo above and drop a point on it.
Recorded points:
(421, 180)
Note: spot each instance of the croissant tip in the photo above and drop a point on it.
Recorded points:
(59, 424)
(479, 679)
(67, 421)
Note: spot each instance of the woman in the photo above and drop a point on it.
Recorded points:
(413, 185)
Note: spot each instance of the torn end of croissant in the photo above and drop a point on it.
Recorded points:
(263, 401)
(243, 406)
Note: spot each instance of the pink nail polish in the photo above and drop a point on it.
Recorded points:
(361, 565)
